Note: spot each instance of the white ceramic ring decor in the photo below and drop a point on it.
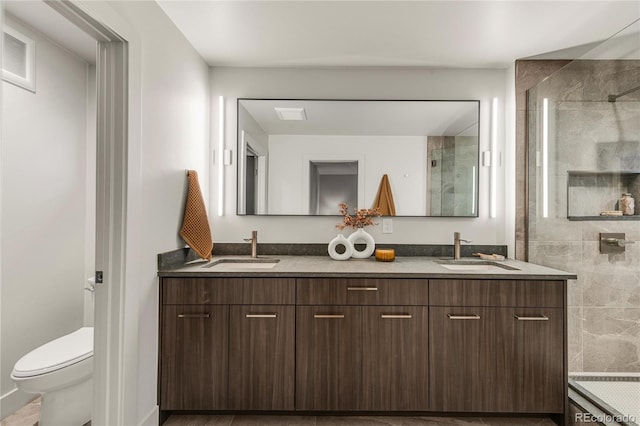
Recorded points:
(340, 240)
(362, 236)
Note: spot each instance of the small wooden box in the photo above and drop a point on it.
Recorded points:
(385, 255)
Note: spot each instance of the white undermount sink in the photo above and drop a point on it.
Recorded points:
(483, 268)
(239, 265)
(236, 264)
(475, 266)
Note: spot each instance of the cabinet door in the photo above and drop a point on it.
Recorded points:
(328, 355)
(193, 360)
(261, 357)
(394, 358)
(539, 350)
(472, 364)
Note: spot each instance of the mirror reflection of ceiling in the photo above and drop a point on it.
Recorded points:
(386, 118)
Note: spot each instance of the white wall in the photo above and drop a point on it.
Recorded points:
(168, 133)
(44, 196)
(403, 158)
(358, 83)
(174, 136)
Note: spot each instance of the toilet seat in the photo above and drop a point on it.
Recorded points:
(55, 355)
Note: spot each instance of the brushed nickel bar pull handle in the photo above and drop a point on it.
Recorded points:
(616, 241)
(329, 316)
(463, 317)
(362, 288)
(540, 318)
(396, 316)
(273, 315)
(194, 315)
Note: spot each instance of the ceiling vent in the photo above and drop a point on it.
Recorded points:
(291, 113)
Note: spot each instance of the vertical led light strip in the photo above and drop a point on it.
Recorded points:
(545, 157)
(494, 159)
(220, 157)
(473, 190)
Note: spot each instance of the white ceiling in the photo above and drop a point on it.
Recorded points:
(429, 33)
(461, 34)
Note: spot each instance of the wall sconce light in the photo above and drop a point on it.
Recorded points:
(221, 156)
(494, 160)
(486, 158)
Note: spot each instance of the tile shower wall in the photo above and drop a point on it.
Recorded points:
(585, 133)
(451, 168)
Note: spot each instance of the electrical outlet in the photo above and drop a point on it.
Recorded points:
(387, 226)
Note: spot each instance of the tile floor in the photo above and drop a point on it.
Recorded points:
(26, 416)
(29, 414)
(244, 420)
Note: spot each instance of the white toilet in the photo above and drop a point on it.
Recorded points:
(61, 372)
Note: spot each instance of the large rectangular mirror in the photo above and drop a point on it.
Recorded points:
(305, 157)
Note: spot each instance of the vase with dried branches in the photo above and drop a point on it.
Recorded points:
(360, 219)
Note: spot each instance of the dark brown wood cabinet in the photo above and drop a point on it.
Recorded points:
(193, 362)
(471, 359)
(539, 350)
(493, 350)
(394, 358)
(328, 357)
(361, 344)
(261, 357)
(227, 343)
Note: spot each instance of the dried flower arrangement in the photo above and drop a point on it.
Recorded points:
(359, 219)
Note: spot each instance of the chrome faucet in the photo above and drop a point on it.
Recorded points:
(254, 244)
(456, 245)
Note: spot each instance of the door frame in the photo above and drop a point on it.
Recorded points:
(249, 145)
(118, 187)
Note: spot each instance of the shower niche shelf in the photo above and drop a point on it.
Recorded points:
(591, 192)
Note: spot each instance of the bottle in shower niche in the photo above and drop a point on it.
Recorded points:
(627, 204)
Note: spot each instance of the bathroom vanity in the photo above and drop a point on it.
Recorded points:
(308, 334)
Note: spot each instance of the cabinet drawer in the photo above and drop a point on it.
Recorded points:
(361, 291)
(496, 293)
(228, 291)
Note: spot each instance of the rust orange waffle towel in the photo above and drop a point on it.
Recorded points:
(195, 225)
(384, 199)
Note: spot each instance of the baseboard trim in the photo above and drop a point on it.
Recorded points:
(14, 400)
(151, 419)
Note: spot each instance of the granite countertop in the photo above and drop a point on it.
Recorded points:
(402, 267)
